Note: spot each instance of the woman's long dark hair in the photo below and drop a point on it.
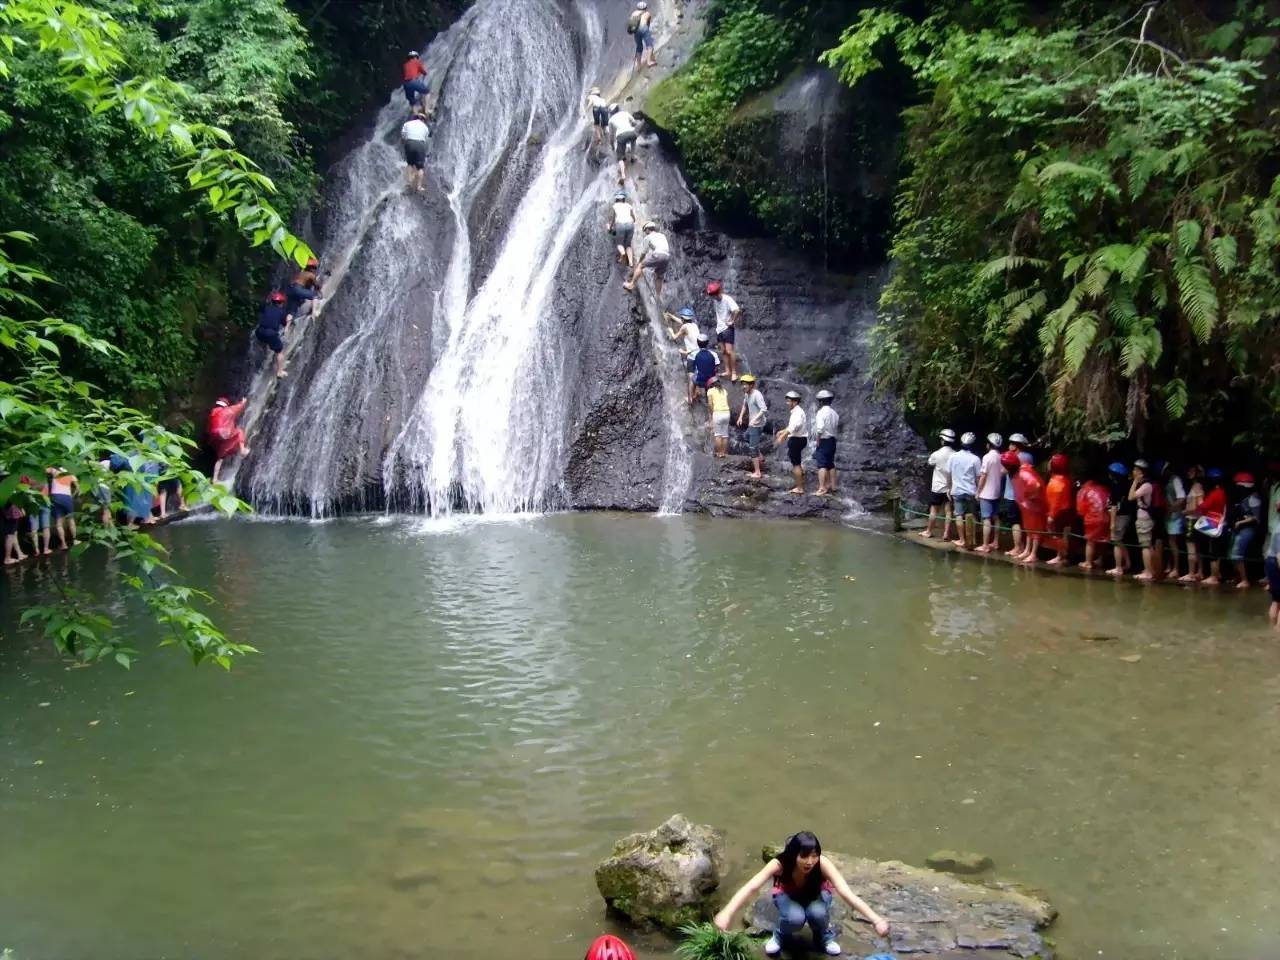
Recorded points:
(797, 845)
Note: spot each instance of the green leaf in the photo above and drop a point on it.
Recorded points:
(1223, 248)
(1188, 233)
(1080, 336)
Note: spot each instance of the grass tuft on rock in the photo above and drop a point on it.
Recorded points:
(706, 941)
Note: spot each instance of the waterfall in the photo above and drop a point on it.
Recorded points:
(439, 375)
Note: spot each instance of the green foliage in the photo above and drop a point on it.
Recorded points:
(706, 941)
(1087, 232)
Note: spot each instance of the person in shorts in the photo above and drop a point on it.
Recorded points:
(622, 226)
(1246, 521)
(718, 409)
(727, 313)
(1271, 567)
(796, 433)
(414, 135)
(272, 320)
(940, 484)
(965, 468)
(623, 133)
(752, 417)
(11, 516)
(1140, 493)
(62, 504)
(1123, 510)
(657, 255)
(599, 110)
(703, 366)
(826, 425)
(990, 485)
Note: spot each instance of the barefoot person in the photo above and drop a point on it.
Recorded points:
(796, 433)
(657, 255)
(965, 468)
(228, 439)
(990, 484)
(415, 85)
(1093, 504)
(1058, 499)
(1246, 520)
(622, 226)
(940, 484)
(63, 487)
(752, 417)
(826, 424)
(622, 137)
(803, 883)
(1140, 492)
(414, 134)
(718, 415)
(1122, 513)
(271, 322)
(727, 313)
(599, 110)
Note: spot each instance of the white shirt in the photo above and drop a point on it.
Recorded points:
(940, 460)
(964, 468)
(689, 332)
(658, 243)
(415, 129)
(993, 482)
(623, 213)
(798, 425)
(756, 408)
(726, 307)
(826, 422)
(620, 123)
(596, 102)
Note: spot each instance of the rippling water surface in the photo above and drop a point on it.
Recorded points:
(450, 723)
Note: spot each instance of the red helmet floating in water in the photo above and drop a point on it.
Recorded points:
(609, 947)
(277, 296)
(1058, 463)
(714, 288)
(1010, 459)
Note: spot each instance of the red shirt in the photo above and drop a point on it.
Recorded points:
(413, 69)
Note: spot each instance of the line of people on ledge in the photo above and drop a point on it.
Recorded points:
(1193, 524)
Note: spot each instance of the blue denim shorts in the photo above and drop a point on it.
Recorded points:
(964, 504)
(1241, 541)
(989, 508)
(754, 435)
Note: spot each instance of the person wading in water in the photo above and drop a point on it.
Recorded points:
(803, 883)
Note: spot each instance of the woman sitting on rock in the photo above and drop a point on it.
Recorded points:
(803, 881)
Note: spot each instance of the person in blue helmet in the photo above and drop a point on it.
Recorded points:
(683, 329)
(1122, 513)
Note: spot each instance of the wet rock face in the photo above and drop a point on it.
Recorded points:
(666, 877)
(930, 914)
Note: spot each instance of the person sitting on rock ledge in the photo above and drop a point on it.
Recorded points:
(803, 883)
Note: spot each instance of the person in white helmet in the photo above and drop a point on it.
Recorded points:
(657, 255)
(826, 424)
(1010, 510)
(940, 485)
(640, 25)
(990, 485)
(622, 225)
(622, 137)
(964, 468)
(598, 109)
(796, 433)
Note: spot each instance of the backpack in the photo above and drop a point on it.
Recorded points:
(633, 21)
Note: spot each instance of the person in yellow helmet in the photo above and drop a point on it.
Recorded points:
(752, 417)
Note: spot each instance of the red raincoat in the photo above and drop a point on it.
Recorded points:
(1028, 490)
(1057, 496)
(1093, 503)
(226, 436)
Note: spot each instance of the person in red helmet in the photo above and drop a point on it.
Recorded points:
(1093, 504)
(271, 323)
(727, 313)
(609, 947)
(1028, 490)
(228, 439)
(1058, 501)
(1246, 519)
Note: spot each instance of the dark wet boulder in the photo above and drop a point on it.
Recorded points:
(666, 877)
(959, 861)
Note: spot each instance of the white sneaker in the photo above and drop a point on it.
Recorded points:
(773, 946)
(832, 948)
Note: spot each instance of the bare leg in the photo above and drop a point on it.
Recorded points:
(1242, 576)
(635, 276)
(798, 473)
(1215, 571)
(217, 469)
(1148, 561)
(657, 287)
(48, 541)
(757, 462)
(731, 361)
(928, 527)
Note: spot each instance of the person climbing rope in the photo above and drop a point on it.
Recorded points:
(623, 132)
(416, 87)
(598, 108)
(803, 884)
(826, 424)
(228, 439)
(657, 255)
(271, 321)
(622, 225)
(414, 135)
(796, 433)
(727, 313)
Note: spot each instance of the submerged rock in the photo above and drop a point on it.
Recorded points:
(665, 877)
(959, 861)
(930, 914)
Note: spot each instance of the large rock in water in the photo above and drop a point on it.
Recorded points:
(930, 914)
(666, 877)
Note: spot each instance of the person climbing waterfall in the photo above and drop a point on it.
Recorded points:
(622, 225)
(719, 414)
(686, 333)
(803, 884)
(826, 424)
(228, 439)
(640, 25)
(796, 433)
(598, 108)
(704, 366)
(416, 86)
(303, 288)
(657, 255)
(623, 132)
(271, 321)
(752, 417)
(727, 313)
(414, 135)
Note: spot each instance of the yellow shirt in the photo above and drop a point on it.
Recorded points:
(718, 397)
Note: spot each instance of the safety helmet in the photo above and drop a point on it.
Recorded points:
(792, 395)
(995, 440)
(277, 296)
(1018, 439)
(595, 89)
(714, 288)
(609, 947)
(686, 313)
(1243, 479)
(641, 5)
(222, 402)
(620, 196)
(1010, 459)
(825, 395)
(614, 108)
(747, 378)
(648, 225)
(1141, 464)
(1058, 463)
(947, 434)
(1119, 469)
(413, 53)
(968, 439)
(702, 340)
(1213, 473)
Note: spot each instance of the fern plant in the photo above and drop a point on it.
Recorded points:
(706, 941)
